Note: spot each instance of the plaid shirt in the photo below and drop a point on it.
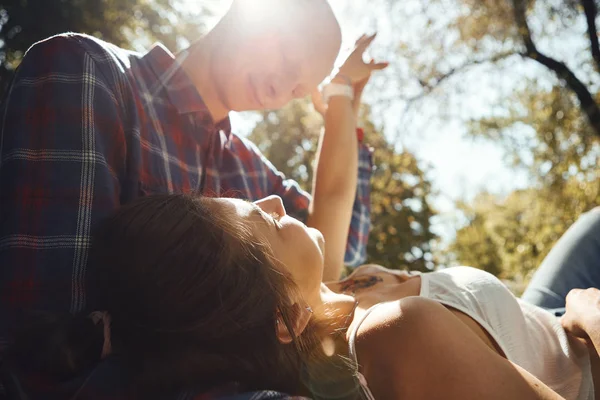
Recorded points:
(88, 126)
(109, 380)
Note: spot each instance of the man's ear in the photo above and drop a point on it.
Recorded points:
(303, 315)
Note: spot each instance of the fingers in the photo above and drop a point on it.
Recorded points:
(318, 103)
(364, 41)
(361, 46)
(574, 292)
(570, 326)
(573, 297)
(378, 66)
(359, 40)
(565, 323)
(589, 297)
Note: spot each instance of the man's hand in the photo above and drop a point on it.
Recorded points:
(354, 71)
(355, 68)
(582, 312)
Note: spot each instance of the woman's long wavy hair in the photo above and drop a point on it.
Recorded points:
(192, 295)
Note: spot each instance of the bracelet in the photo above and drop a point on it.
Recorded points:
(347, 80)
(336, 89)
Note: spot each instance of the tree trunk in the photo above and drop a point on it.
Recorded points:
(587, 101)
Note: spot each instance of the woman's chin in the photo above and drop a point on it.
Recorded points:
(318, 238)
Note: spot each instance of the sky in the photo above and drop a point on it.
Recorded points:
(459, 166)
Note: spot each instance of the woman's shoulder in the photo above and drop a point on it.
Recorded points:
(391, 342)
(393, 326)
(416, 348)
(404, 316)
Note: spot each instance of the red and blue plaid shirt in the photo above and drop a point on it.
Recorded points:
(88, 126)
(111, 380)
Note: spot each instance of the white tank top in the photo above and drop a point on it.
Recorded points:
(528, 335)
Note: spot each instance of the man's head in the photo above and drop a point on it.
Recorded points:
(268, 52)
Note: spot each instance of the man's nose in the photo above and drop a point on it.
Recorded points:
(274, 87)
(283, 86)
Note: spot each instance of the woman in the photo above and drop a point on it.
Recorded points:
(201, 292)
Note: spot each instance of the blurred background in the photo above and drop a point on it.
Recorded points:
(486, 127)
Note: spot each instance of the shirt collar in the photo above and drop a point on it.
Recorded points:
(182, 93)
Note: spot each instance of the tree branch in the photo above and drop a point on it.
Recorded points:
(428, 87)
(588, 104)
(591, 11)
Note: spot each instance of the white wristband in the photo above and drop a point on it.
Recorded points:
(336, 89)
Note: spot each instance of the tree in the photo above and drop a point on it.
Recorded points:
(543, 130)
(541, 63)
(547, 51)
(288, 138)
(122, 22)
(475, 245)
(510, 236)
(401, 235)
(462, 34)
(589, 106)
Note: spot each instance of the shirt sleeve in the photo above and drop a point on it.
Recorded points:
(296, 200)
(62, 147)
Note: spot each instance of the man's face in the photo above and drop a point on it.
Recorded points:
(272, 62)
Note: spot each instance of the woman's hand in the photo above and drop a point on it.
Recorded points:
(582, 312)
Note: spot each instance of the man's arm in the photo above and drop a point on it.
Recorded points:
(337, 176)
(62, 147)
(335, 181)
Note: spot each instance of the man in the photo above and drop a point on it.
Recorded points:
(88, 126)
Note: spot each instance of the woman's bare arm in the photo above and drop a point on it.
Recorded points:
(416, 349)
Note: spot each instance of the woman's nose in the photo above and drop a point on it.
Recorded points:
(272, 204)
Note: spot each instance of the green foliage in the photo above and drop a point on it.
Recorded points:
(486, 18)
(288, 138)
(540, 58)
(544, 131)
(401, 235)
(510, 236)
(122, 22)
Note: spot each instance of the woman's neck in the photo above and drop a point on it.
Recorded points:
(331, 375)
(336, 309)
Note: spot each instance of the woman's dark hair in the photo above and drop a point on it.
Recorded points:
(192, 297)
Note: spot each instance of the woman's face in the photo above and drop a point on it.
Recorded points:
(298, 248)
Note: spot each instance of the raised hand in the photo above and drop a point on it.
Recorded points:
(355, 71)
(355, 68)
